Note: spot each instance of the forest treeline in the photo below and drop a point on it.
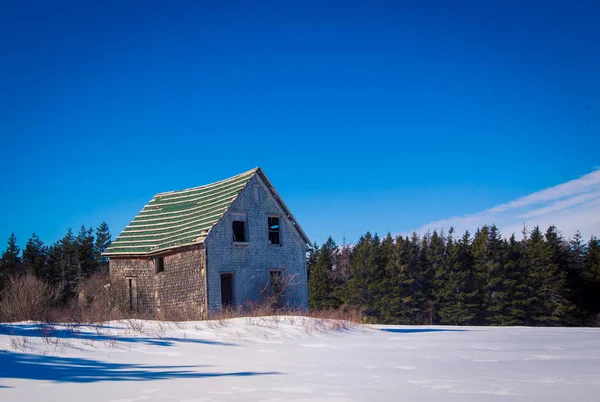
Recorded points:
(481, 279)
(64, 264)
(437, 278)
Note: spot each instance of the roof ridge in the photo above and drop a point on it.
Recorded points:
(165, 223)
(249, 172)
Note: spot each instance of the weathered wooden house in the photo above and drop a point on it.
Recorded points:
(222, 244)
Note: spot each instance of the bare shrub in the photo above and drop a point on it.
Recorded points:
(181, 314)
(136, 326)
(274, 289)
(99, 302)
(27, 298)
(19, 343)
(344, 313)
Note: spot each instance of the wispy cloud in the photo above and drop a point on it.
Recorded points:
(570, 206)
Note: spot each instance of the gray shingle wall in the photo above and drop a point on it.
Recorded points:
(251, 263)
(180, 286)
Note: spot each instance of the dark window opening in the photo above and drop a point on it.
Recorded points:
(227, 290)
(276, 282)
(130, 294)
(273, 229)
(239, 231)
(159, 263)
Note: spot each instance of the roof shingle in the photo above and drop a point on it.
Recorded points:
(178, 218)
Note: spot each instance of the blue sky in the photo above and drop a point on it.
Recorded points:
(381, 116)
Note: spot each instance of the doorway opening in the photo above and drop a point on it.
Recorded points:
(227, 290)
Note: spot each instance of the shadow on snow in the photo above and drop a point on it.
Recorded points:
(419, 330)
(42, 330)
(78, 370)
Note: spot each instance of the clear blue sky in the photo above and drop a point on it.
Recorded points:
(378, 116)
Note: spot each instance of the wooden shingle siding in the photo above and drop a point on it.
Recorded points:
(182, 285)
(191, 231)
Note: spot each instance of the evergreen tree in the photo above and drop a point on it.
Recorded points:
(86, 253)
(35, 256)
(444, 296)
(414, 283)
(509, 287)
(320, 284)
(10, 260)
(576, 257)
(364, 273)
(432, 268)
(558, 308)
(461, 292)
(590, 282)
(68, 263)
(341, 273)
(391, 298)
(499, 287)
(311, 258)
(103, 240)
(480, 273)
(533, 260)
(517, 279)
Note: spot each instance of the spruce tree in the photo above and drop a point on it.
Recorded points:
(341, 273)
(576, 257)
(590, 282)
(461, 292)
(363, 273)
(85, 253)
(101, 243)
(68, 263)
(405, 301)
(391, 297)
(10, 260)
(517, 274)
(35, 256)
(498, 287)
(379, 278)
(311, 259)
(533, 260)
(558, 308)
(432, 267)
(444, 297)
(321, 288)
(480, 273)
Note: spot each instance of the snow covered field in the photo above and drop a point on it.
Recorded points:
(296, 359)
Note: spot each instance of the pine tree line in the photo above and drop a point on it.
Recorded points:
(480, 279)
(65, 263)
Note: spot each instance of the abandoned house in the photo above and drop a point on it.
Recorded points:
(223, 244)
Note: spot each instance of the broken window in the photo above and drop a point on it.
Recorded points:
(274, 229)
(239, 231)
(159, 264)
(238, 227)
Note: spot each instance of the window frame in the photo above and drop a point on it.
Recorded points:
(270, 216)
(240, 217)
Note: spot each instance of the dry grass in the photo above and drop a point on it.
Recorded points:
(29, 298)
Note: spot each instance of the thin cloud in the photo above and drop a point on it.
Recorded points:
(570, 206)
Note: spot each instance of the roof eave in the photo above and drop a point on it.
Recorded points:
(151, 253)
(284, 207)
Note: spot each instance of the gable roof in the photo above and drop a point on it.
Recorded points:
(182, 218)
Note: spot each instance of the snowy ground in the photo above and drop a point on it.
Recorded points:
(296, 359)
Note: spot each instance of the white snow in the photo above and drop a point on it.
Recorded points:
(295, 359)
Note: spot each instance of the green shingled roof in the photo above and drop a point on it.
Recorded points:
(178, 218)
